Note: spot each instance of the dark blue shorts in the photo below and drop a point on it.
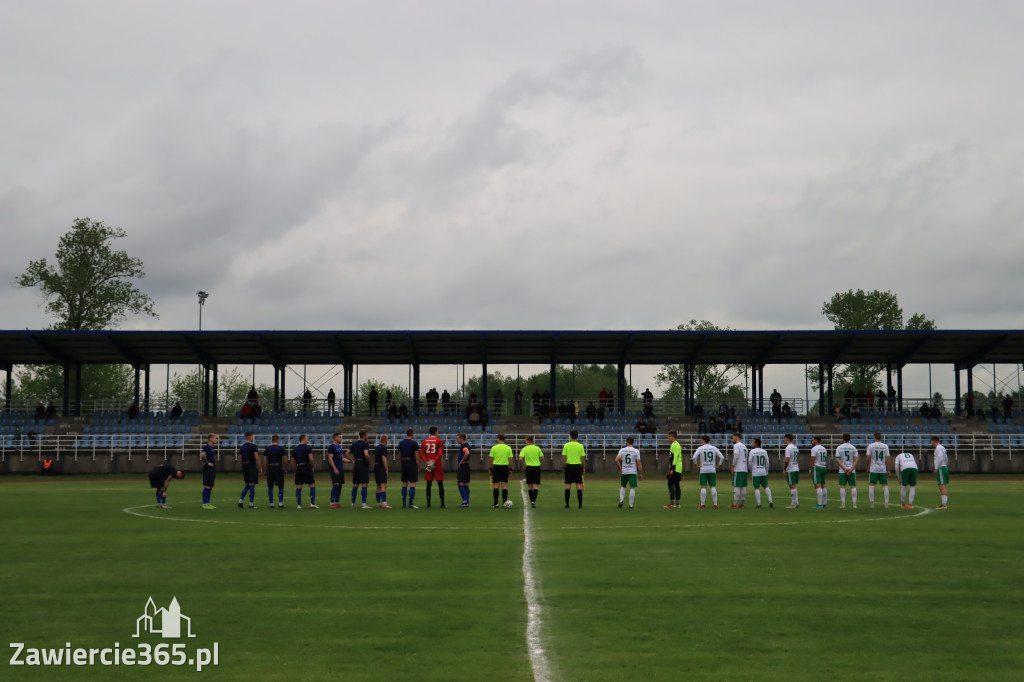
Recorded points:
(360, 474)
(380, 475)
(338, 478)
(410, 471)
(250, 474)
(304, 475)
(209, 474)
(275, 476)
(462, 475)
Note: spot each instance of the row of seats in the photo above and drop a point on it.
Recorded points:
(22, 428)
(138, 428)
(104, 441)
(150, 421)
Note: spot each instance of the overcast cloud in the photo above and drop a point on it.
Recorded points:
(522, 165)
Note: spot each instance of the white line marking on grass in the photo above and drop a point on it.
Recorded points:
(924, 511)
(538, 657)
(161, 517)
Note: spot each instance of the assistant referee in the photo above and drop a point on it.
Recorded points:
(573, 455)
(500, 456)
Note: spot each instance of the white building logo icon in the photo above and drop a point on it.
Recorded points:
(165, 622)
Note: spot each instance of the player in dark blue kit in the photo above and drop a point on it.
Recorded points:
(336, 458)
(302, 455)
(462, 474)
(380, 472)
(209, 461)
(252, 469)
(273, 459)
(159, 478)
(357, 453)
(408, 449)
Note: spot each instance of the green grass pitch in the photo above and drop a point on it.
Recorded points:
(650, 594)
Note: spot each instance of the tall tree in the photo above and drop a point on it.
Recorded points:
(871, 310)
(712, 383)
(89, 286)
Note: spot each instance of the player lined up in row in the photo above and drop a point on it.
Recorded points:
(880, 464)
(753, 463)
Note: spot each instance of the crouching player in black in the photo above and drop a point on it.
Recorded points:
(252, 469)
(302, 455)
(273, 460)
(159, 478)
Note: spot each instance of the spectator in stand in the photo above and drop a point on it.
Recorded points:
(855, 410)
(562, 409)
(570, 411)
(698, 410)
(611, 401)
(252, 397)
(133, 411)
(869, 399)
(969, 403)
(925, 410)
(652, 426)
(935, 411)
(388, 399)
(1008, 407)
(591, 411)
(535, 402)
(647, 396)
(257, 412)
(776, 400)
(484, 417)
(837, 414)
(545, 399)
(880, 399)
(307, 401)
(372, 401)
(640, 425)
(981, 414)
(850, 396)
(446, 401)
(713, 424)
(602, 398)
(40, 411)
(176, 411)
(517, 400)
(393, 411)
(723, 411)
(847, 410)
(246, 411)
(738, 427)
(787, 411)
(403, 411)
(473, 417)
(702, 426)
(499, 400)
(330, 400)
(892, 399)
(600, 413)
(51, 410)
(648, 410)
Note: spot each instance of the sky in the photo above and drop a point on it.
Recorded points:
(522, 165)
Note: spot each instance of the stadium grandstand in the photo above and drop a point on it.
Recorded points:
(108, 440)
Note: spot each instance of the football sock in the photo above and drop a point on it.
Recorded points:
(622, 495)
(632, 496)
(206, 495)
(703, 496)
(735, 495)
(355, 491)
(817, 491)
(412, 494)
(280, 495)
(871, 494)
(466, 488)
(824, 495)
(579, 496)
(714, 496)
(743, 495)
(768, 492)
(794, 496)
(945, 500)
(363, 488)
(757, 496)
(405, 494)
(384, 497)
(270, 493)
(903, 495)
(430, 486)
(566, 497)
(842, 496)
(495, 491)
(853, 492)
(298, 496)
(440, 490)
(158, 497)
(312, 494)
(377, 496)
(671, 492)
(335, 494)
(885, 492)
(504, 495)
(244, 491)
(913, 491)
(533, 496)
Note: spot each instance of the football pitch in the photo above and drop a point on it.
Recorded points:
(432, 594)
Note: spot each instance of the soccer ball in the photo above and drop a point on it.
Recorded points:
(508, 504)
(430, 466)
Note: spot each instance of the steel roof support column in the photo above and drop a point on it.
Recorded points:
(760, 390)
(284, 398)
(956, 388)
(416, 388)
(145, 399)
(821, 390)
(7, 389)
(753, 389)
(137, 389)
(899, 388)
(621, 388)
(888, 380)
(483, 385)
(213, 398)
(553, 386)
(65, 399)
(830, 396)
(78, 390)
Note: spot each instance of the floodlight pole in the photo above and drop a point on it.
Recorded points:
(202, 295)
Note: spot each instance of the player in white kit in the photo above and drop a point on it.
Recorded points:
(819, 466)
(878, 469)
(739, 472)
(630, 467)
(847, 457)
(906, 469)
(709, 458)
(941, 465)
(758, 461)
(792, 468)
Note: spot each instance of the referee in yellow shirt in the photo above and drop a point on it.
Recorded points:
(500, 456)
(573, 455)
(530, 456)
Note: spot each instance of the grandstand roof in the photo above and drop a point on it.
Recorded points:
(430, 347)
